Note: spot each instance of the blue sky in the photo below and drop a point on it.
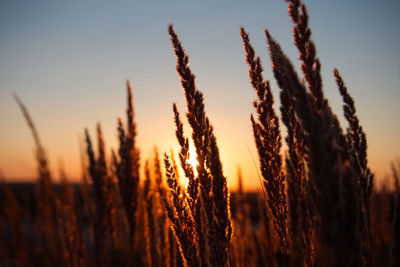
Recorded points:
(69, 60)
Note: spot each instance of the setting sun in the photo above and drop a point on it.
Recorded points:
(193, 159)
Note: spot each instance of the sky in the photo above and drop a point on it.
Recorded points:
(69, 62)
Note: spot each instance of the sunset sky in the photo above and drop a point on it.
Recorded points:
(69, 62)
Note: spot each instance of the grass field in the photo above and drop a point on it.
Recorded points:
(317, 204)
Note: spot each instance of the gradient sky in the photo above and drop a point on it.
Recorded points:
(68, 61)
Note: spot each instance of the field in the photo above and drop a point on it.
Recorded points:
(317, 204)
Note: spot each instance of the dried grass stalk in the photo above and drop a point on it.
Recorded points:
(333, 188)
(127, 166)
(212, 183)
(268, 141)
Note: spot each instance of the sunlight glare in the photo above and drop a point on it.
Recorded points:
(193, 159)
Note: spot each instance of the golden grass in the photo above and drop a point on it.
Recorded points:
(320, 208)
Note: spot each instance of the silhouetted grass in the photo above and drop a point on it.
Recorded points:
(320, 207)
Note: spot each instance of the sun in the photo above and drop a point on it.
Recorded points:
(193, 159)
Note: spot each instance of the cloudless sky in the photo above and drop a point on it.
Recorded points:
(69, 60)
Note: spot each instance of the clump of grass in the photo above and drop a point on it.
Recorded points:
(212, 212)
(97, 172)
(128, 164)
(268, 141)
(44, 196)
(328, 177)
(72, 243)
